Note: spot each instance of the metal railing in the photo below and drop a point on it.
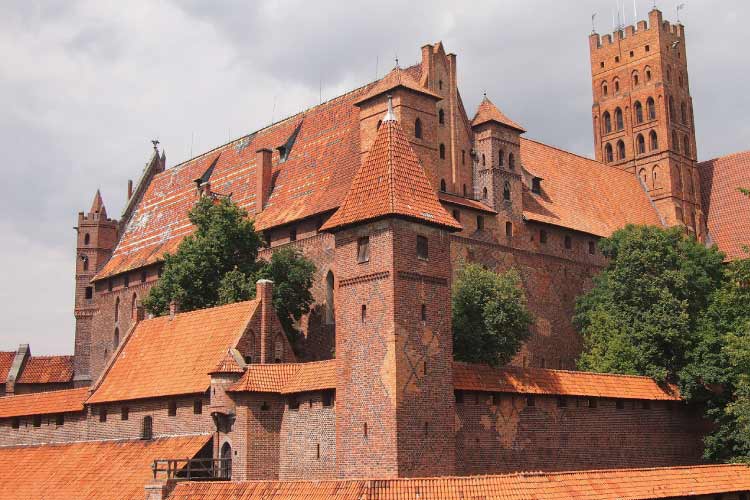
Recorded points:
(193, 469)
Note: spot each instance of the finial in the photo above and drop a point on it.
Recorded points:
(155, 142)
(389, 116)
(397, 61)
(484, 93)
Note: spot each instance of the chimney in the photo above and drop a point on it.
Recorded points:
(262, 178)
(174, 308)
(130, 188)
(19, 361)
(264, 293)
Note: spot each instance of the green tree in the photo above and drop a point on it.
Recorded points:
(218, 264)
(641, 315)
(490, 317)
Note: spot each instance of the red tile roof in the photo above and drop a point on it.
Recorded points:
(288, 378)
(621, 484)
(398, 78)
(6, 359)
(474, 377)
(464, 202)
(582, 194)
(391, 182)
(47, 370)
(43, 403)
(228, 364)
(314, 376)
(166, 357)
(93, 470)
(488, 112)
(727, 210)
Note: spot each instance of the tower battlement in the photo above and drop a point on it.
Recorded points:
(643, 32)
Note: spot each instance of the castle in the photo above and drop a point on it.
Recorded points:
(387, 189)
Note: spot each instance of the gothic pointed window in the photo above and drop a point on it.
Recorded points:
(501, 155)
(640, 144)
(441, 117)
(620, 150)
(607, 120)
(442, 185)
(654, 139)
(635, 78)
(608, 153)
(116, 339)
(511, 161)
(671, 108)
(643, 177)
(655, 179)
(418, 128)
(330, 308)
(675, 142)
(85, 262)
(442, 151)
(117, 309)
(604, 89)
(683, 113)
(686, 145)
(617, 86)
(651, 108)
(133, 306)
(506, 191)
(648, 74)
(86, 239)
(638, 112)
(618, 119)
(484, 193)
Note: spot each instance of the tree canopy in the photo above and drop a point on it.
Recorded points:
(490, 317)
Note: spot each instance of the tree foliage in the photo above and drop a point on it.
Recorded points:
(218, 264)
(490, 317)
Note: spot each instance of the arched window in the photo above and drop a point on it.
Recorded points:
(617, 86)
(363, 313)
(225, 467)
(648, 74)
(642, 176)
(675, 142)
(619, 125)
(330, 310)
(651, 108)
(635, 78)
(418, 128)
(620, 150)
(508, 229)
(511, 161)
(483, 160)
(640, 144)
(442, 185)
(501, 160)
(671, 107)
(86, 239)
(686, 145)
(117, 309)
(638, 108)
(683, 113)
(484, 193)
(133, 306)
(656, 181)
(116, 338)
(506, 191)
(604, 89)
(654, 140)
(608, 153)
(147, 427)
(441, 117)
(607, 122)
(85, 262)
(442, 151)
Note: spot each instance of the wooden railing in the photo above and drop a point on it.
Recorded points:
(193, 469)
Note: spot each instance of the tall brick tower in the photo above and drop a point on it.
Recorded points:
(96, 238)
(643, 115)
(394, 409)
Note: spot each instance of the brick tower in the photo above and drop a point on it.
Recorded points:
(394, 409)
(643, 115)
(96, 237)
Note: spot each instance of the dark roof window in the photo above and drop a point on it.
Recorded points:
(536, 185)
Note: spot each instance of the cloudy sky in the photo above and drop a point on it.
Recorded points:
(85, 85)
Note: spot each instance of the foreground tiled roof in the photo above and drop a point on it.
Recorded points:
(47, 370)
(464, 202)
(488, 112)
(100, 470)
(288, 378)
(582, 194)
(558, 382)
(728, 211)
(164, 357)
(6, 359)
(621, 484)
(43, 403)
(391, 182)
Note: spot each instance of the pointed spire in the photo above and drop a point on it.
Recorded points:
(389, 116)
(98, 203)
(391, 183)
(488, 112)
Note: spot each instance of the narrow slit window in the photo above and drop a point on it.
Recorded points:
(363, 249)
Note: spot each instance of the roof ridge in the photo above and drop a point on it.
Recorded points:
(195, 311)
(161, 437)
(577, 372)
(570, 153)
(736, 153)
(49, 356)
(42, 393)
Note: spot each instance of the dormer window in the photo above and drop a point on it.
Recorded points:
(536, 185)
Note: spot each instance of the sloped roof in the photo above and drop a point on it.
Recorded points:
(47, 370)
(464, 202)
(474, 377)
(43, 403)
(582, 194)
(313, 376)
(287, 378)
(488, 112)
(228, 364)
(621, 484)
(391, 182)
(167, 357)
(398, 77)
(6, 360)
(100, 470)
(727, 210)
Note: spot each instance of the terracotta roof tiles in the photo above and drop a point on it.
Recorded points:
(315, 376)
(621, 484)
(398, 77)
(465, 202)
(288, 378)
(47, 370)
(228, 364)
(43, 403)
(6, 359)
(166, 357)
(488, 112)
(727, 210)
(582, 194)
(93, 470)
(391, 182)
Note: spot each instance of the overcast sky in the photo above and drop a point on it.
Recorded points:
(85, 85)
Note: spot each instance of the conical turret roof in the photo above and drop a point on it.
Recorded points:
(488, 112)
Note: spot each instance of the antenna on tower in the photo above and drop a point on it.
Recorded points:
(273, 109)
(593, 26)
(679, 8)
(376, 67)
(635, 14)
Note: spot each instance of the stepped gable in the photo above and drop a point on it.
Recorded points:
(169, 357)
(582, 194)
(101, 470)
(43, 403)
(510, 379)
(391, 182)
(631, 484)
(47, 370)
(727, 210)
(488, 112)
